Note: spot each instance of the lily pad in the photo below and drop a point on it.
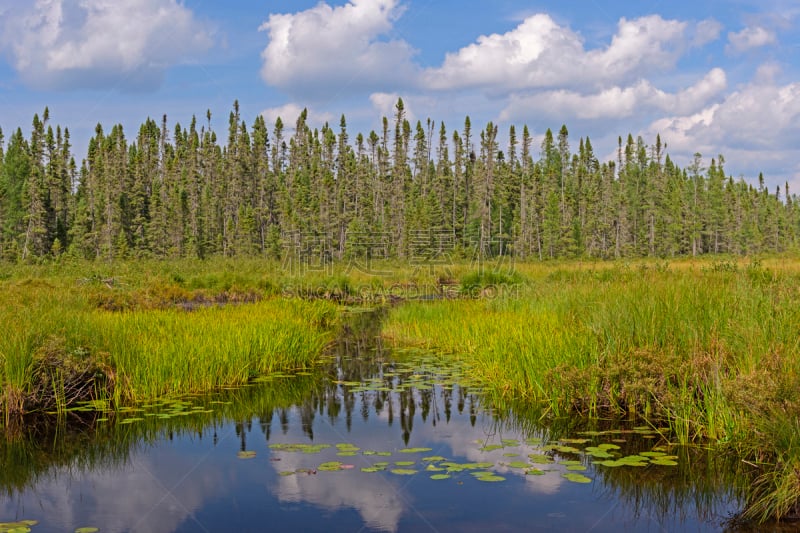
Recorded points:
(491, 447)
(433, 458)
(539, 459)
(576, 468)
(246, 454)
(663, 462)
(534, 472)
(330, 466)
(489, 477)
(440, 476)
(414, 450)
(87, 530)
(518, 464)
(403, 471)
(404, 463)
(577, 478)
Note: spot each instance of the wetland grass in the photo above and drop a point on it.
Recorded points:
(711, 349)
(131, 337)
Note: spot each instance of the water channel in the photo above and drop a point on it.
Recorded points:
(376, 440)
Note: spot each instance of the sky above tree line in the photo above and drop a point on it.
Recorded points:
(709, 76)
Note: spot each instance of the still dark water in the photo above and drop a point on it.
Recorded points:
(287, 455)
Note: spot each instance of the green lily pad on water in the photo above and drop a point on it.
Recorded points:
(570, 463)
(247, 454)
(652, 454)
(475, 466)
(20, 526)
(576, 468)
(372, 469)
(611, 463)
(539, 459)
(491, 447)
(509, 442)
(577, 478)
(434, 468)
(347, 454)
(87, 530)
(404, 463)
(414, 450)
(302, 448)
(403, 471)
(510, 454)
(330, 466)
(534, 472)
(440, 476)
(489, 477)
(518, 464)
(286, 473)
(433, 458)
(606, 446)
(663, 462)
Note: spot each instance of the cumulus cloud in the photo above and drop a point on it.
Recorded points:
(326, 49)
(385, 104)
(757, 126)
(58, 44)
(539, 53)
(289, 113)
(617, 102)
(749, 38)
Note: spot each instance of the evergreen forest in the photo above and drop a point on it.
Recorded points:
(408, 191)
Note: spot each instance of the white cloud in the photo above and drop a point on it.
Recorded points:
(756, 126)
(706, 31)
(58, 44)
(327, 49)
(385, 104)
(289, 113)
(616, 102)
(749, 38)
(541, 54)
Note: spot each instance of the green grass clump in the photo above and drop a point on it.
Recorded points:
(131, 336)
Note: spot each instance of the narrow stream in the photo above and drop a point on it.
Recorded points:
(376, 440)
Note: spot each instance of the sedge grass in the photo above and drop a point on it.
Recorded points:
(711, 348)
(58, 346)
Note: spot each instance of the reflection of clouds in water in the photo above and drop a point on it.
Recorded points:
(375, 498)
(465, 440)
(127, 498)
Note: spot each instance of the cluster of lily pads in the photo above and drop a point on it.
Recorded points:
(537, 457)
(24, 526)
(162, 409)
(422, 372)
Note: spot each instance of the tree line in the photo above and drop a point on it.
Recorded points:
(407, 192)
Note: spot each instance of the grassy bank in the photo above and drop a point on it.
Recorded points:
(71, 335)
(711, 348)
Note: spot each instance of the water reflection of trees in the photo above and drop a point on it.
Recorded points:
(39, 449)
(704, 484)
(359, 356)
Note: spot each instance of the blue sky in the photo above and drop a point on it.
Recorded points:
(710, 76)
